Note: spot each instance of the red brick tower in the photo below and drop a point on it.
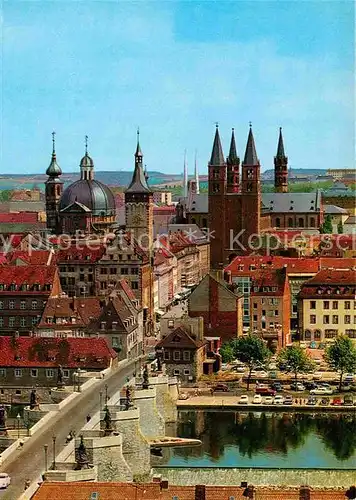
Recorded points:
(217, 192)
(250, 191)
(54, 190)
(280, 167)
(233, 167)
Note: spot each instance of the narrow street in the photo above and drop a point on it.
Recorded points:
(30, 461)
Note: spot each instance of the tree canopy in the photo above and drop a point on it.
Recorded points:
(297, 360)
(341, 356)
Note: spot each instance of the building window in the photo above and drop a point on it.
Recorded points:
(176, 372)
(312, 222)
(49, 373)
(18, 372)
(103, 325)
(326, 304)
(301, 222)
(335, 304)
(351, 334)
(23, 322)
(330, 334)
(290, 222)
(171, 323)
(103, 270)
(255, 317)
(12, 321)
(34, 321)
(307, 335)
(186, 356)
(216, 188)
(34, 372)
(278, 222)
(255, 305)
(176, 355)
(326, 319)
(134, 285)
(347, 319)
(335, 319)
(317, 335)
(312, 304)
(312, 319)
(34, 304)
(167, 355)
(186, 371)
(1, 321)
(23, 304)
(1, 304)
(124, 270)
(11, 304)
(66, 373)
(347, 304)
(2, 372)
(113, 270)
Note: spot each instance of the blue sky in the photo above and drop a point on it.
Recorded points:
(174, 68)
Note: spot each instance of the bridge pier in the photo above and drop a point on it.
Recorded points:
(166, 405)
(151, 421)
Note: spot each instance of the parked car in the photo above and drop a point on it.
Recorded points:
(220, 388)
(310, 385)
(336, 401)
(288, 400)
(297, 386)
(268, 400)
(239, 369)
(257, 399)
(277, 386)
(261, 374)
(5, 480)
(265, 391)
(278, 400)
(224, 367)
(243, 400)
(349, 377)
(348, 400)
(322, 391)
(312, 401)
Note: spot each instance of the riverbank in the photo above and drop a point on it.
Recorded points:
(225, 402)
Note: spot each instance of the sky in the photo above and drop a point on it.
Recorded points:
(174, 69)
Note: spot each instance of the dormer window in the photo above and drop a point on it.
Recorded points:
(13, 287)
(103, 325)
(255, 289)
(2, 286)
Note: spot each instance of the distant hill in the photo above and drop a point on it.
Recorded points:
(304, 172)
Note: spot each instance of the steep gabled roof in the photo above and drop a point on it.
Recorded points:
(83, 310)
(232, 158)
(180, 339)
(280, 147)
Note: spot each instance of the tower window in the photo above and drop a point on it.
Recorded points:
(312, 222)
(278, 222)
(216, 188)
(290, 222)
(301, 222)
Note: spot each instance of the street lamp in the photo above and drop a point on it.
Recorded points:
(101, 398)
(106, 394)
(54, 452)
(18, 416)
(78, 379)
(45, 447)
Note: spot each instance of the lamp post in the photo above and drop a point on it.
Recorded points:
(54, 451)
(101, 399)
(106, 394)
(45, 447)
(18, 417)
(78, 379)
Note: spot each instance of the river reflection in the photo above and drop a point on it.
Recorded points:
(266, 440)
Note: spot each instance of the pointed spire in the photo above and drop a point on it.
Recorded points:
(53, 170)
(139, 178)
(280, 148)
(196, 174)
(185, 175)
(250, 153)
(217, 155)
(138, 147)
(233, 158)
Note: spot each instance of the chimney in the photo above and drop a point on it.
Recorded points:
(200, 493)
(304, 493)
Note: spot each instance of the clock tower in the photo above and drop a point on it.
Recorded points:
(139, 204)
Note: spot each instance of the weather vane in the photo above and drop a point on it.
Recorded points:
(217, 124)
(86, 144)
(53, 141)
(250, 123)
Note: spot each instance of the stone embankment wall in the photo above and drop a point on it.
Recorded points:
(327, 478)
(166, 405)
(151, 421)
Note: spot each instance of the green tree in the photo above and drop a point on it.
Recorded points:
(252, 351)
(341, 356)
(297, 360)
(227, 352)
(340, 228)
(327, 227)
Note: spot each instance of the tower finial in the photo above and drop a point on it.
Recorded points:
(53, 143)
(86, 144)
(138, 134)
(217, 124)
(250, 124)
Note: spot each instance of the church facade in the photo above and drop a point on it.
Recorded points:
(235, 209)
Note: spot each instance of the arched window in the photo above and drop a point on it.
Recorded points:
(290, 221)
(278, 222)
(307, 335)
(312, 222)
(317, 334)
(301, 222)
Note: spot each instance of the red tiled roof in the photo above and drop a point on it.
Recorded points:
(269, 279)
(70, 352)
(86, 253)
(337, 263)
(19, 217)
(165, 208)
(127, 289)
(246, 266)
(26, 275)
(83, 309)
(333, 277)
(33, 257)
(331, 283)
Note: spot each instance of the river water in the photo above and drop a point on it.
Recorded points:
(286, 440)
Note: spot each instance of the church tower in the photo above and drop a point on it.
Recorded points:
(233, 167)
(216, 196)
(139, 204)
(54, 190)
(280, 167)
(251, 190)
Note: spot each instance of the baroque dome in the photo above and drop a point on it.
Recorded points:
(91, 193)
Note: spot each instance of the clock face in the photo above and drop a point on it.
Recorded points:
(137, 219)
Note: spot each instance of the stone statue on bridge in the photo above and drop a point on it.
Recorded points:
(60, 382)
(145, 383)
(82, 456)
(128, 402)
(108, 421)
(34, 401)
